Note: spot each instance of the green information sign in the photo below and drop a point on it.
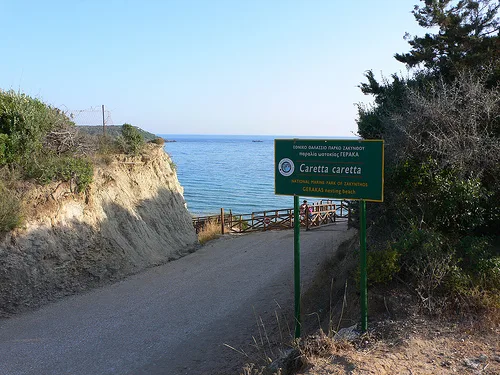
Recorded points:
(339, 169)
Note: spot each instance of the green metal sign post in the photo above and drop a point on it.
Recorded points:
(364, 276)
(336, 169)
(296, 263)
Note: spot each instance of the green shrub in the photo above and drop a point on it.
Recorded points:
(26, 141)
(158, 141)
(106, 144)
(173, 166)
(479, 262)
(428, 195)
(72, 169)
(25, 121)
(475, 298)
(426, 261)
(3, 147)
(382, 266)
(131, 139)
(489, 279)
(437, 265)
(10, 210)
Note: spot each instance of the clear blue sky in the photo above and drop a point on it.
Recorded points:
(282, 67)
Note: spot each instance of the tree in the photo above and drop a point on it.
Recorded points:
(468, 37)
(441, 127)
(133, 139)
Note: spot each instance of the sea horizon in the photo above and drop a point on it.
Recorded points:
(256, 136)
(226, 171)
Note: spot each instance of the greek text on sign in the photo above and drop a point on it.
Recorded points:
(339, 169)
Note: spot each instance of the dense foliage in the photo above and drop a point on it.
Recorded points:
(441, 127)
(467, 38)
(40, 143)
(131, 140)
(24, 122)
(114, 131)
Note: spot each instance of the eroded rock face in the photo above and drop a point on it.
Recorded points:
(132, 217)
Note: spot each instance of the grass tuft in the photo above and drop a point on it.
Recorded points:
(10, 210)
(211, 230)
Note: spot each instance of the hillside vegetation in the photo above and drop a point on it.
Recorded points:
(113, 131)
(438, 227)
(39, 144)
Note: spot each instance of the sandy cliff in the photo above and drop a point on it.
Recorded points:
(132, 217)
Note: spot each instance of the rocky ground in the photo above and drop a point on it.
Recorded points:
(416, 346)
(401, 339)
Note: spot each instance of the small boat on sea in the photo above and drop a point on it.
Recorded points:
(256, 140)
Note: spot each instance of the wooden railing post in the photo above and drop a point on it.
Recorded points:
(222, 220)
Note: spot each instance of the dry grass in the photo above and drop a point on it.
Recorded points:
(252, 369)
(210, 231)
(419, 346)
(402, 340)
(10, 210)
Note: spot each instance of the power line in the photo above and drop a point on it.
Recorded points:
(90, 117)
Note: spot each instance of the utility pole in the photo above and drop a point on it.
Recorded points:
(103, 122)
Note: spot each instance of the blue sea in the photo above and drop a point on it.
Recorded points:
(226, 171)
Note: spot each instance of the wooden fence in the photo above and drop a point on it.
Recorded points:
(323, 212)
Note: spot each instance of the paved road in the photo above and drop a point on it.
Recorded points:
(171, 319)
